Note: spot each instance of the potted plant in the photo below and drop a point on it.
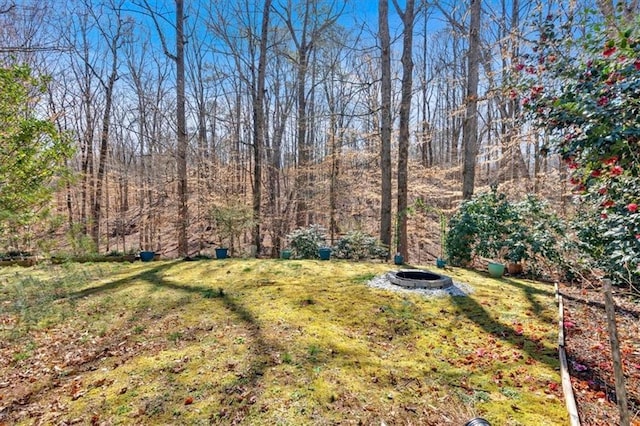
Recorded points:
(307, 243)
(516, 253)
(398, 258)
(231, 219)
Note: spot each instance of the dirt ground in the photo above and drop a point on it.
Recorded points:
(589, 353)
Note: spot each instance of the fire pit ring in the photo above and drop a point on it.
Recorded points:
(418, 278)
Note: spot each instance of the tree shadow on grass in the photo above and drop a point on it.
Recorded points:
(245, 390)
(530, 293)
(534, 348)
(148, 275)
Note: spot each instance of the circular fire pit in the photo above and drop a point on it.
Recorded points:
(416, 278)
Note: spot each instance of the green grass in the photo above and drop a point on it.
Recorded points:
(272, 342)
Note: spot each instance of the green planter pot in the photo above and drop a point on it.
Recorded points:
(222, 253)
(324, 253)
(496, 270)
(285, 254)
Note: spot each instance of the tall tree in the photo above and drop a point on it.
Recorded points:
(314, 18)
(470, 127)
(181, 120)
(408, 17)
(259, 125)
(113, 33)
(385, 122)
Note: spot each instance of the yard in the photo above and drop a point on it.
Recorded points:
(271, 342)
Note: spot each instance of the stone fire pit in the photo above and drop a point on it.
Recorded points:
(418, 278)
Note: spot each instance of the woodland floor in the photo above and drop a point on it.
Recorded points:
(589, 355)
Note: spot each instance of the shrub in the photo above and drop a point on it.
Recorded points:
(304, 242)
(587, 104)
(231, 218)
(490, 226)
(480, 228)
(357, 245)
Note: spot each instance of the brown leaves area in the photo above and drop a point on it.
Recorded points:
(589, 354)
(59, 358)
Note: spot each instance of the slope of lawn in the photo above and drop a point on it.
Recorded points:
(271, 342)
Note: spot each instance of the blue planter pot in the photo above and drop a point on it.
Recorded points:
(147, 256)
(398, 259)
(324, 253)
(222, 253)
(441, 263)
(285, 254)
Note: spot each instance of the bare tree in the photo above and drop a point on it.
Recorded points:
(407, 16)
(181, 121)
(470, 129)
(114, 37)
(315, 19)
(385, 122)
(259, 124)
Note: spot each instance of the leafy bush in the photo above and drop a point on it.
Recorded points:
(305, 242)
(587, 103)
(490, 226)
(357, 245)
(480, 228)
(231, 218)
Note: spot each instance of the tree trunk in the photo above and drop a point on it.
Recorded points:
(470, 128)
(258, 126)
(96, 210)
(181, 122)
(385, 123)
(405, 116)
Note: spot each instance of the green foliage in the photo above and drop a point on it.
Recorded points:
(305, 242)
(479, 228)
(490, 226)
(32, 153)
(591, 109)
(231, 219)
(80, 242)
(357, 245)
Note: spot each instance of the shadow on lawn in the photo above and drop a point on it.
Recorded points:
(242, 393)
(530, 293)
(533, 347)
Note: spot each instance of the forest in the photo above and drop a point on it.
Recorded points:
(407, 132)
(298, 113)
(179, 128)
